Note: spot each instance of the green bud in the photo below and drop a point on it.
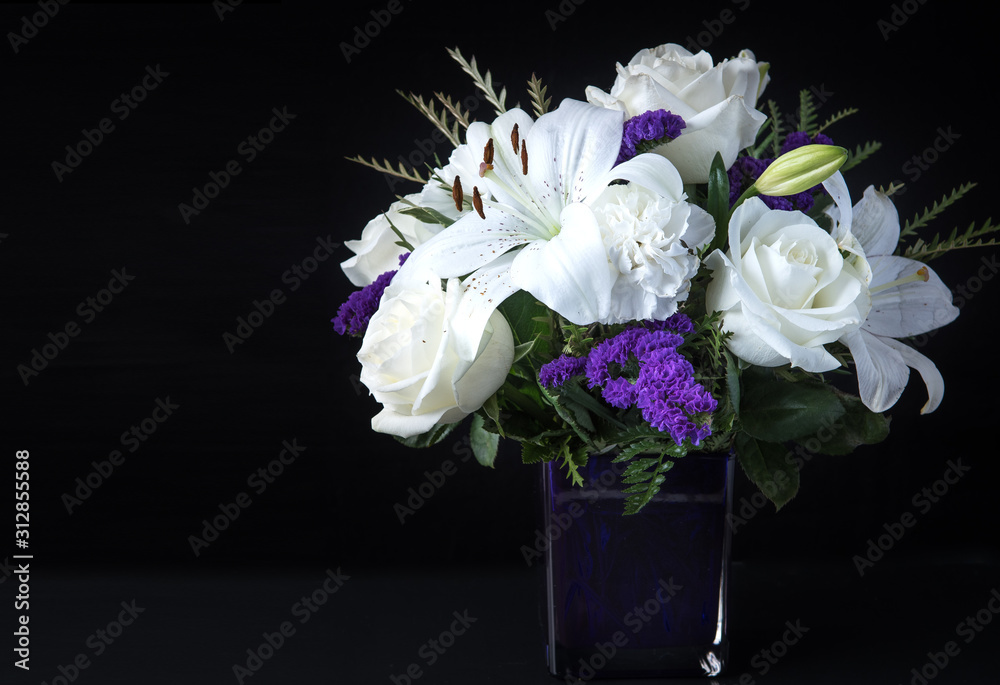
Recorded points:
(800, 169)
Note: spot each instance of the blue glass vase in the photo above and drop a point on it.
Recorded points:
(641, 595)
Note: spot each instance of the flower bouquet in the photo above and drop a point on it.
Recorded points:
(668, 269)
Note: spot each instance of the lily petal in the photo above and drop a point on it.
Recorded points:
(571, 273)
(484, 291)
(910, 308)
(469, 244)
(841, 211)
(652, 172)
(876, 223)
(506, 162)
(570, 150)
(882, 371)
(928, 372)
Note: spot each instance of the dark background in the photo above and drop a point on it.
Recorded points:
(295, 379)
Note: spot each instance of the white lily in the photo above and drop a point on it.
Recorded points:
(540, 204)
(907, 299)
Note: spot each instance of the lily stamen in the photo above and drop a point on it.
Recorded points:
(477, 202)
(456, 193)
(524, 159)
(514, 138)
(922, 274)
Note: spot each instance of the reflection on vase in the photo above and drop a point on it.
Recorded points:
(639, 595)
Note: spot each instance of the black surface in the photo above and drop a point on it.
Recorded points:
(294, 379)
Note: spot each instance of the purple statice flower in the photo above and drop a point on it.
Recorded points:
(664, 388)
(605, 363)
(559, 370)
(782, 203)
(799, 138)
(669, 396)
(352, 316)
(678, 323)
(746, 170)
(644, 132)
(742, 174)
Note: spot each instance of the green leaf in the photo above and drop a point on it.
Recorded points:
(645, 492)
(858, 426)
(431, 437)
(778, 411)
(766, 466)
(521, 351)
(632, 450)
(491, 407)
(427, 215)
(484, 443)
(573, 392)
(532, 453)
(527, 319)
(733, 381)
(718, 202)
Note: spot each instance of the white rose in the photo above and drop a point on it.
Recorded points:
(411, 365)
(377, 252)
(784, 289)
(716, 102)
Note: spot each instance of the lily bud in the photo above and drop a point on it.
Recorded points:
(799, 170)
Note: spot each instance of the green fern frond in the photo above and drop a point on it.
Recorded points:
(842, 114)
(765, 137)
(807, 112)
(972, 237)
(483, 82)
(386, 168)
(461, 115)
(778, 129)
(860, 154)
(536, 91)
(924, 218)
(439, 119)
